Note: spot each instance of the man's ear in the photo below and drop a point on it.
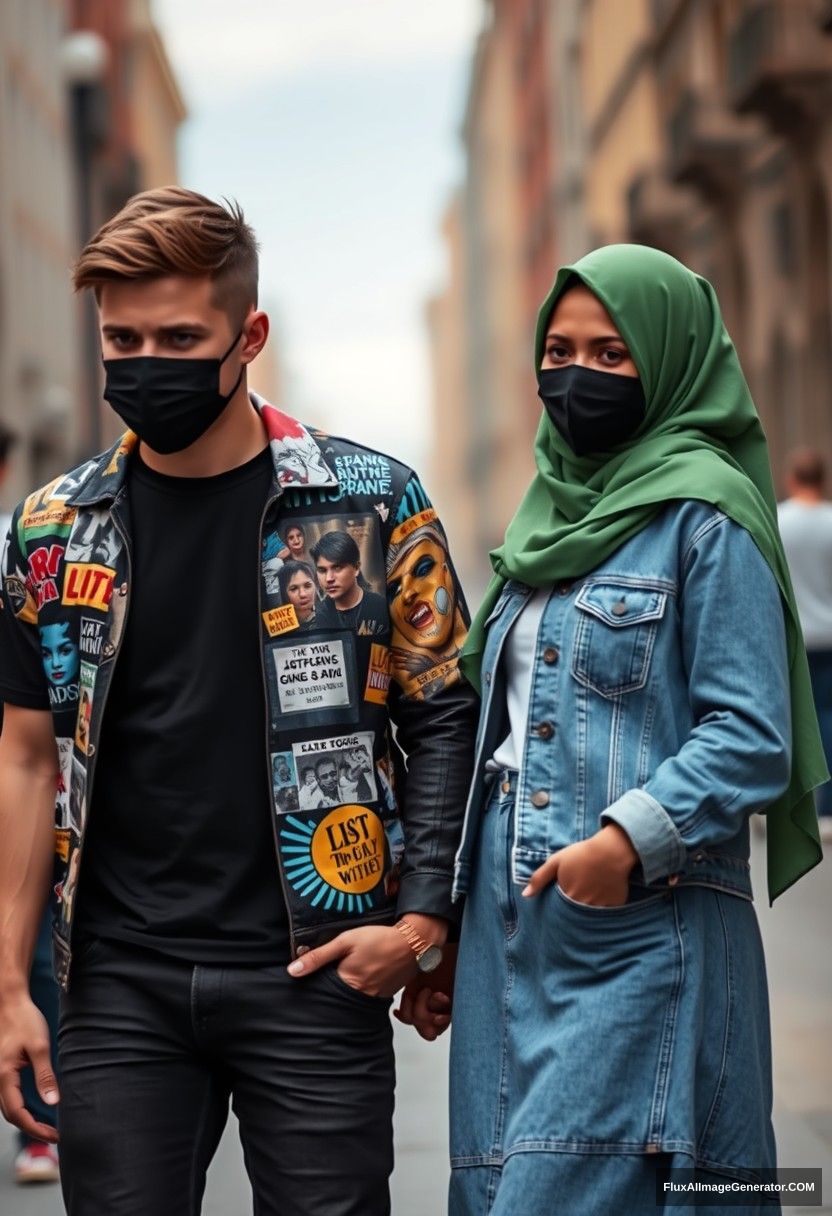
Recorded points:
(257, 332)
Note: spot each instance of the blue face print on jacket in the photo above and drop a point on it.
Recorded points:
(60, 655)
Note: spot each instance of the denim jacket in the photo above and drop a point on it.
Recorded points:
(659, 701)
(384, 844)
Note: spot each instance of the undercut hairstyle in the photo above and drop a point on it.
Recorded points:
(807, 468)
(174, 231)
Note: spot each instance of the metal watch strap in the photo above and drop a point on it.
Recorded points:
(417, 944)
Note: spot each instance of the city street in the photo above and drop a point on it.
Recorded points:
(797, 936)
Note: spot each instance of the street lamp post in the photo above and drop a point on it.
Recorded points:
(84, 60)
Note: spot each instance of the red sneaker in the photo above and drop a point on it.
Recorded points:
(37, 1162)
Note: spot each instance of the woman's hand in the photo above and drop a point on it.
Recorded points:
(594, 871)
(427, 999)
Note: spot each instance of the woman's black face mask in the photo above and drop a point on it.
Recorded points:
(169, 403)
(593, 411)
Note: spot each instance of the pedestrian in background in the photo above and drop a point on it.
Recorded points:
(36, 1159)
(805, 519)
(645, 690)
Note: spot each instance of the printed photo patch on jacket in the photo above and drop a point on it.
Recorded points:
(335, 859)
(86, 689)
(64, 783)
(59, 653)
(284, 782)
(428, 623)
(335, 771)
(313, 681)
(330, 570)
(78, 797)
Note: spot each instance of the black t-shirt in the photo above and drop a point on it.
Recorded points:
(180, 852)
(367, 618)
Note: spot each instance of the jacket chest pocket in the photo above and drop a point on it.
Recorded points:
(614, 635)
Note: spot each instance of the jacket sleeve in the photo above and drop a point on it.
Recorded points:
(737, 757)
(22, 678)
(434, 711)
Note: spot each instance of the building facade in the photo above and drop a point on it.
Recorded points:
(39, 359)
(703, 127)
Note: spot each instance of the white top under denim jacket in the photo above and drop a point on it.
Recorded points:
(659, 699)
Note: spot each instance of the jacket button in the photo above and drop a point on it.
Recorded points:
(488, 677)
(619, 608)
(540, 799)
(545, 730)
(550, 655)
(302, 950)
(564, 588)
(506, 787)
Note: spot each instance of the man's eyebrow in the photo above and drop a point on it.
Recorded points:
(191, 326)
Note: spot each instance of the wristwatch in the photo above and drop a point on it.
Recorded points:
(428, 957)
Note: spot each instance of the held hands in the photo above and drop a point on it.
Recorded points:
(427, 999)
(595, 871)
(24, 1039)
(376, 959)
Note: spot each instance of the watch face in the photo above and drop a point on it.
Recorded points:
(430, 960)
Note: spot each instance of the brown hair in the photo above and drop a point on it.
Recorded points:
(807, 468)
(172, 230)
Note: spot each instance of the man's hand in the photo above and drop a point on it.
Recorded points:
(376, 959)
(426, 1001)
(24, 1038)
(594, 871)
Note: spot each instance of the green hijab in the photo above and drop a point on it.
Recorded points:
(701, 439)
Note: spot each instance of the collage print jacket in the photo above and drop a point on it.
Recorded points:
(365, 824)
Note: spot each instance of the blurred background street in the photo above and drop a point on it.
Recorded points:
(796, 933)
(416, 173)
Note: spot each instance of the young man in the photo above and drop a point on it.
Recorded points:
(350, 603)
(209, 943)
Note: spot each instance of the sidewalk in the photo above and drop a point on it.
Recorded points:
(797, 934)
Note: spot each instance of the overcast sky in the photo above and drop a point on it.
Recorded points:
(336, 125)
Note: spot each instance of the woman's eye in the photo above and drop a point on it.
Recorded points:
(612, 356)
(556, 354)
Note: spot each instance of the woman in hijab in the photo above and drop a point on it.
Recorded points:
(645, 690)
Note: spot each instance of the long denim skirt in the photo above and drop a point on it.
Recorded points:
(592, 1048)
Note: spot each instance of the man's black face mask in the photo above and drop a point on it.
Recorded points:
(593, 411)
(169, 403)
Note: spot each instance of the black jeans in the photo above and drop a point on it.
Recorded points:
(151, 1049)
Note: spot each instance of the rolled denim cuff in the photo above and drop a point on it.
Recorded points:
(652, 832)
